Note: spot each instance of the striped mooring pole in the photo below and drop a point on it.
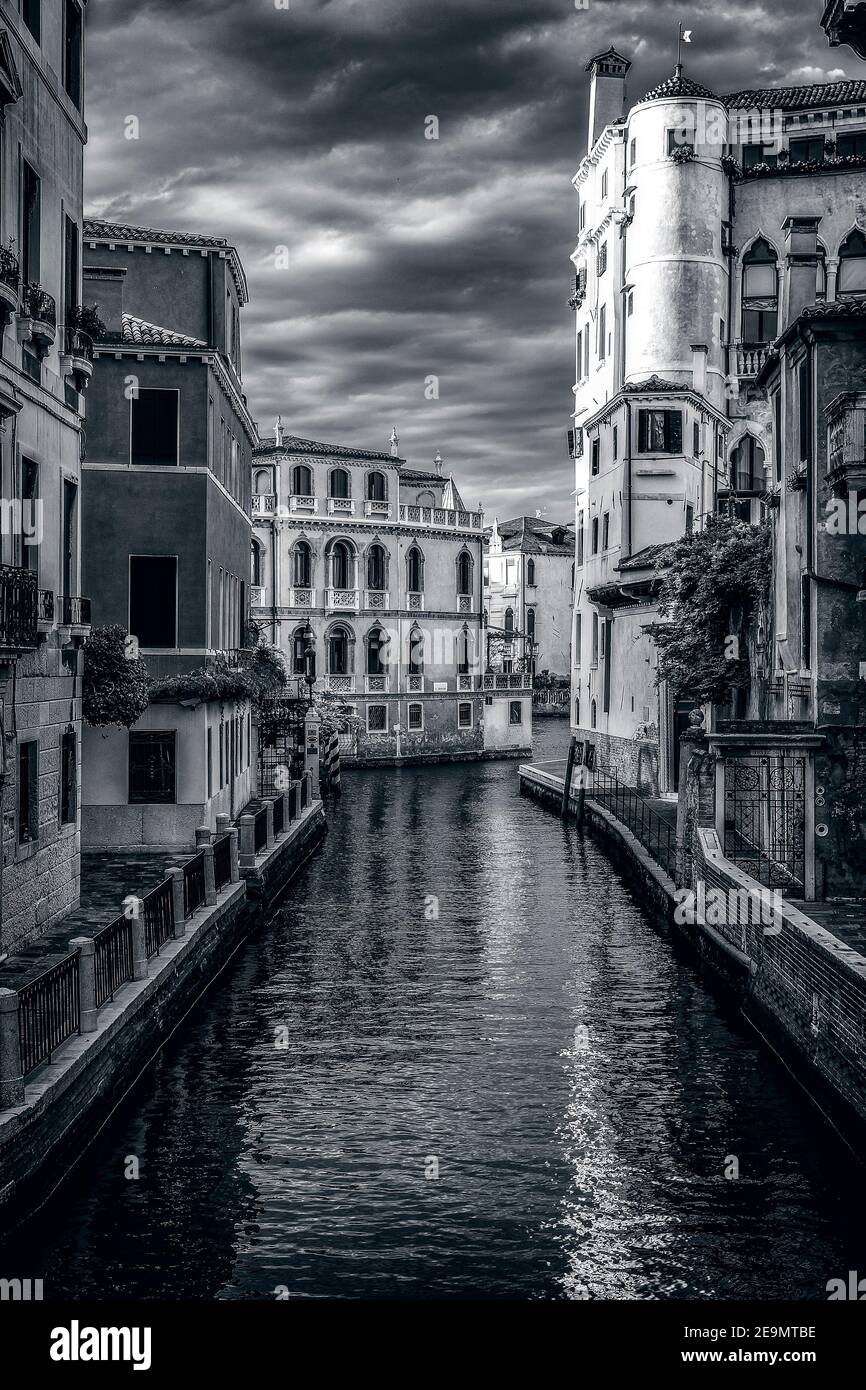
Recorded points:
(332, 763)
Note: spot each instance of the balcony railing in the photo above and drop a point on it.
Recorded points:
(376, 598)
(846, 419)
(378, 685)
(45, 612)
(378, 508)
(257, 596)
(75, 611)
(343, 599)
(750, 360)
(264, 503)
(303, 504)
(302, 598)
(415, 685)
(19, 607)
(506, 680)
(415, 602)
(40, 306)
(10, 279)
(442, 516)
(341, 685)
(78, 344)
(48, 1012)
(341, 506)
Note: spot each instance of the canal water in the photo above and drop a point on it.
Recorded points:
(459, 1062)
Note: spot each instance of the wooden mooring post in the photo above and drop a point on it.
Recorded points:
(569, 769)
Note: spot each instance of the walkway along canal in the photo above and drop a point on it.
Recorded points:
(459, 1061)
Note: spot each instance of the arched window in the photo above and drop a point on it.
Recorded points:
(593, 715)
(464, 573)
(377, 652)
(426, 499)
(376, 568)
(415, 570)
(376, 488)
(852, 265)
(263, 482)
(299, 648)
(760, 293)
(302, 481)
(530, 571)
(577, 712)
(821, 275)
(416, 652)
(302, 566)
(530, 624)
(256, 566)
(338, 483)
(342, 566)
(747, 466)
(463, 651)
(338, 652)
(509, 621)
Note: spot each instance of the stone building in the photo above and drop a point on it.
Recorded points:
(380, 567)
(528, 579)
(166, 526)
(695, 214)
(45, 367)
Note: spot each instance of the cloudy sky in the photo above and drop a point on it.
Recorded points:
(304, 127)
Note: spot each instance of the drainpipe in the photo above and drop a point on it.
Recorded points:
(628, 476)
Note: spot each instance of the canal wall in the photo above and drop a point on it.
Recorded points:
(67, 1100)
(801, 988)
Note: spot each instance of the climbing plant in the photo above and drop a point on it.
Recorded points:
(261, 672)
(712, 582)
(115, 679)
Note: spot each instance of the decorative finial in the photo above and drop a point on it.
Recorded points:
(278, 431)
(395, 442)
(438, 464)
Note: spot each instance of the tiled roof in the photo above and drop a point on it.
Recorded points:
(417, 475)
(533, 536)
(836, 309)
(293, 444)
(653, 384)
(145, 334)
(644, 559)
(95, 229)
(677, 86)
(801, 98)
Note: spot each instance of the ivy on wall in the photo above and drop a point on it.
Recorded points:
(712, 582)
(115, 680)
(262, 672)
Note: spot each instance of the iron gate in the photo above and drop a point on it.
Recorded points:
(765, 818)
(281, 744)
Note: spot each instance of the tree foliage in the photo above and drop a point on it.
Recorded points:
(115, 681)
(712, 581)
(262, 672)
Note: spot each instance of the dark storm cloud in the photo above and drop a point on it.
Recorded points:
(408, 257)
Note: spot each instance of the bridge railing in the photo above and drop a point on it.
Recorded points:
(632, 809)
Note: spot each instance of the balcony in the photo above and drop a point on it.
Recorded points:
(341, 506)
(442, 516)
(19, 609)
(257, 596)
(342, 600)
(415, 602)
(46, 610)
(302, 598)
(467, 682)
(376, 598)
(340, 685)
(38, 317)
(303, 504)
(264, 504)
(750, 359)
(78, 355)
(380, 509)
(415, 685)
(75, 612)
(506, 680)
(846, 458)
(10, 279)
(377, 685)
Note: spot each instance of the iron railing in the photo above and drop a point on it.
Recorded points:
(261, 830)
(632, 810)
(222, 860)
(10, 268)
(78, 344)
(46, 606)
(48, 1012)
(76, 611)
(19, 607)
(158, 918)
(113, 958)
(40, 305)
(193, 884)
(279, 815)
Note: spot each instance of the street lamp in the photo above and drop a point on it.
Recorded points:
(308, 637)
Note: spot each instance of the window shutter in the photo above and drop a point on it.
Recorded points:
(674, 431)
(643, 431)
(571, 453)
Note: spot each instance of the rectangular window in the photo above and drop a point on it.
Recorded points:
(72, 51)
(759, 154)
(777, 434)
(594, 659)
(152, 768)
(605, 531)
(594, 546)
(616, 441)
(31, 224)
(632, 153)
(153, 599)
(804, 394)
(153, 432)
(29, 499)
(28, 792)
(578, 637)
(586, 352)
(806, 149)
(31, 11)
(660, 431)
(580, 538)
(581, 219)
(805, 623)
(596, 456)
(690, 519)
(629, 304)
(515, 712)
(579, 354)
(604, 185)
(696, 439)
(70, 266)
(601, 263)
(222, 755)
(68, 778)
(377, 719)
(464, 715)
(416, 718)
(606, 640)
(602, 333)
(209, 761)
(854, 142)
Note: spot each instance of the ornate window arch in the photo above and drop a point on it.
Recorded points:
(530, 624)
(340, 650)
(341, 564)
(376, 644)
(462, 650)
(298, 650)
(377, 567)
(747, 465)
(416, 651)
(339, 483)
(301, 481)
(414, 570)
(530, 571)
(302, 565)
(257, 563)
(426, 499)
(377, 487)
(509, 621)
(851, 280)
(577, 711)
(593, 715)
(465, 569)
(760, 285)
(262, 482)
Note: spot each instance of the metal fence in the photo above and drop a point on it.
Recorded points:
(656, 834)
(193, 884)
(48, 1012)
(222, 860)
(279, 815)
(158, 918)
(261, 830)
(113, 958)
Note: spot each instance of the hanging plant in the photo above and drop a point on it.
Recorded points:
(681, 154)
(712, 582)
(115, 680)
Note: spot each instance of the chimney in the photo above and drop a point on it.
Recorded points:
(608, 72)
(699, 367)
(104, 286)
(801, 263)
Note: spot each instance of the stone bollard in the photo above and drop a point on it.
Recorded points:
(204, 841)
(233, 851)
(269, 824)
(176, 876)
(139, 946)
(11, 1077)
(247, 842)
(287, 812)
(87, 1010)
